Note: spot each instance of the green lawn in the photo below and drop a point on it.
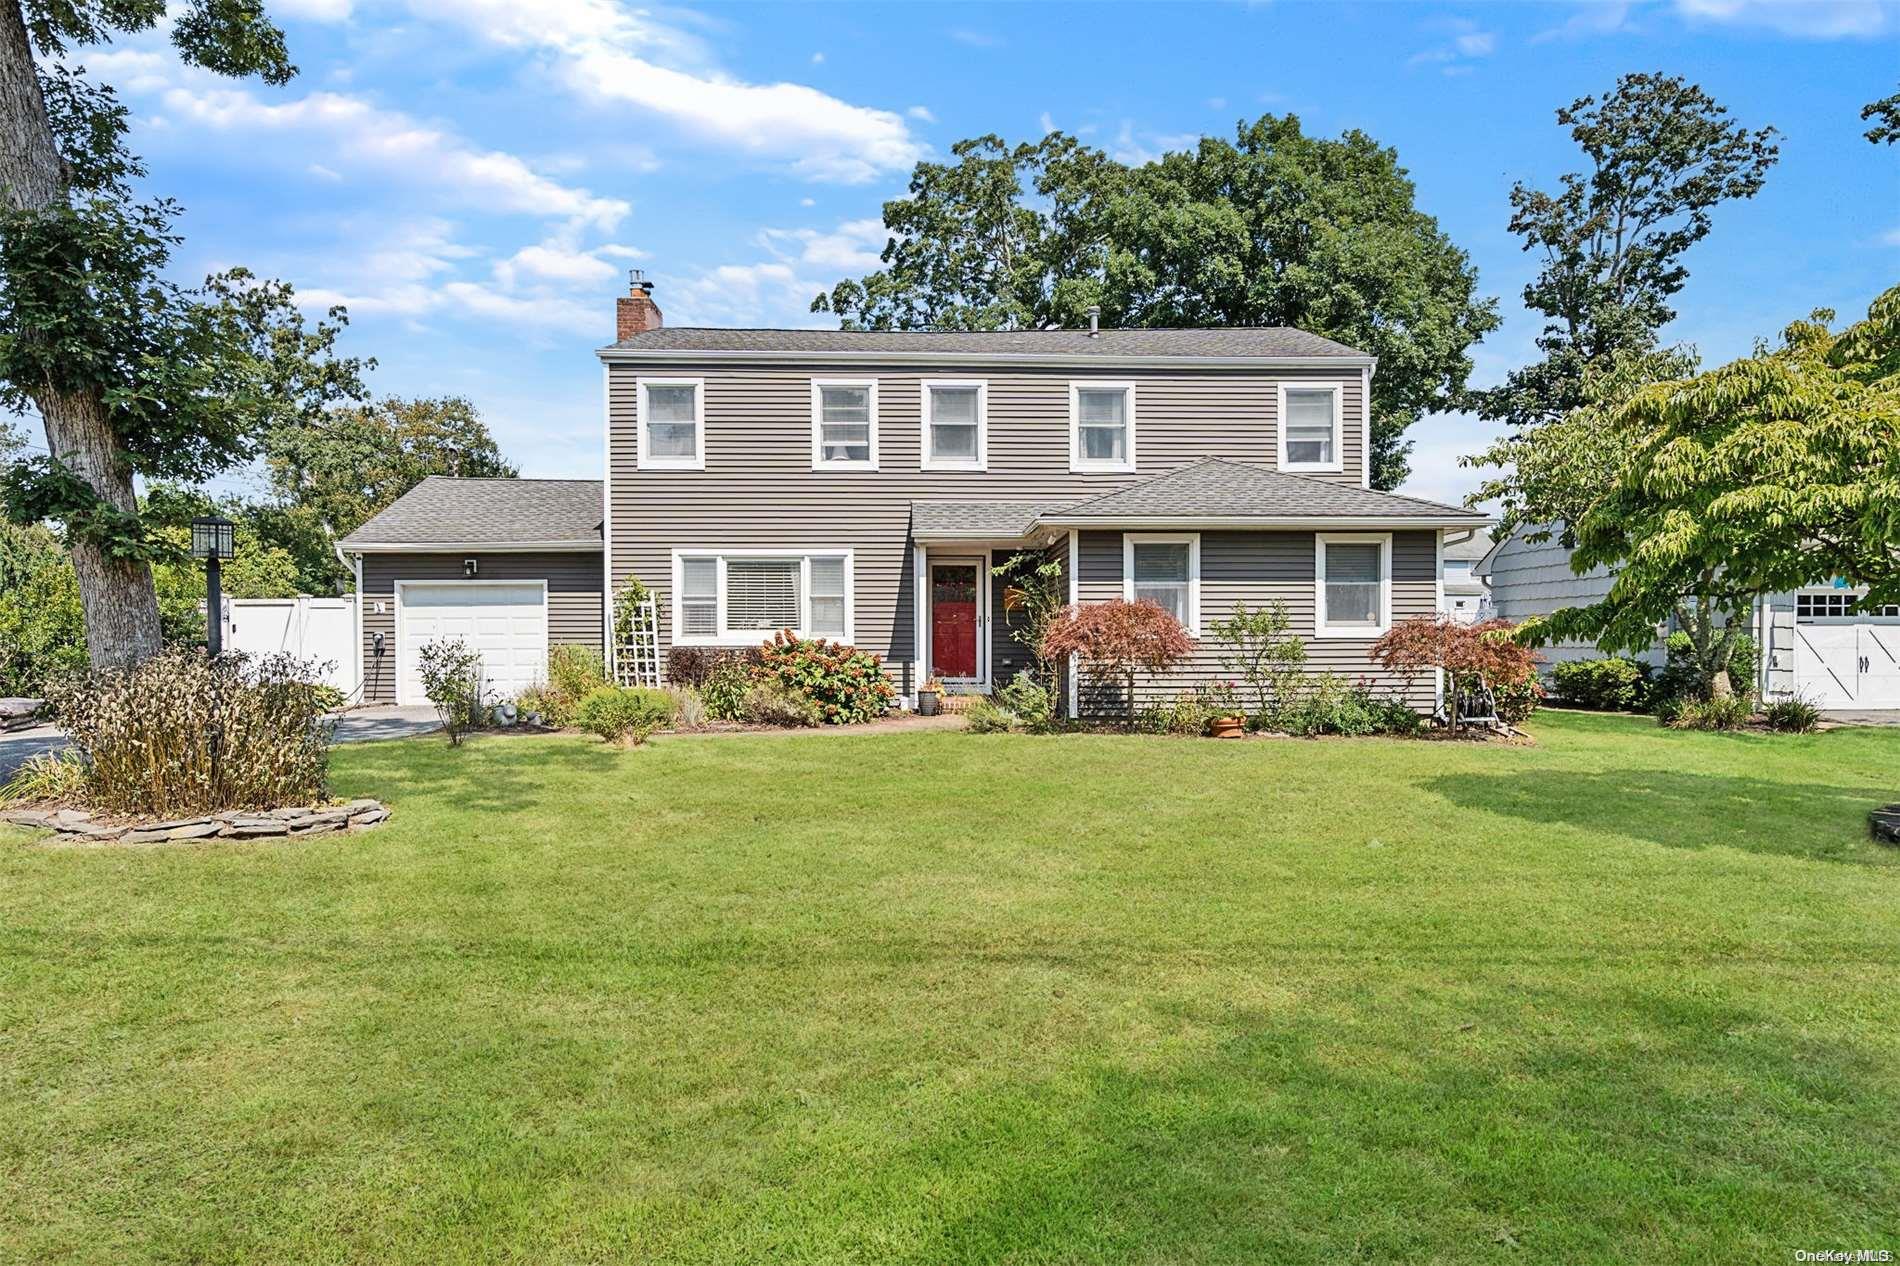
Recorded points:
(1626, 995)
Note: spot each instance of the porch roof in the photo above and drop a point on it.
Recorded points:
(1214, 490)
(977, 520)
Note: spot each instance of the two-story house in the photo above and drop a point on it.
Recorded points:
(861, 485)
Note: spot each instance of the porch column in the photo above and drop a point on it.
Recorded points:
(918, 579)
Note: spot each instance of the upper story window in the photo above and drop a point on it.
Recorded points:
(844, 425)
(1311, 434)
(1102, 426)
(1164, 569)
(672, 417)
(746, 596)
(1354, 591)
(956, 434)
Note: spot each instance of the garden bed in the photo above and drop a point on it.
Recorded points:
(82, 826)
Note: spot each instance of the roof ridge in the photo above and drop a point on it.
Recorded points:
(1150, 481)
(513, 479)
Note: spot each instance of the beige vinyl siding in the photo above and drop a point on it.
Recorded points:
(1259, 568)
(574, 610)
(758, 489)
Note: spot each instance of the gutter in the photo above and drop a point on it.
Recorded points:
(635, 356)
(1325, 522)
(473, 547)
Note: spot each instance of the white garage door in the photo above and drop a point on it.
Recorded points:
(505, 620)
(1844, 662)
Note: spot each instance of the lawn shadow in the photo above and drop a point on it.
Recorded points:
(1685, 810)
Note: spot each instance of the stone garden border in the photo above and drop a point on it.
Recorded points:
(1884, 824)
(79, 826)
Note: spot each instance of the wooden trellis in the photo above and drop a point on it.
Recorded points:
(637, 643)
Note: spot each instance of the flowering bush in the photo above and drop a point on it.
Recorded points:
(847, 685)
(1117, 640)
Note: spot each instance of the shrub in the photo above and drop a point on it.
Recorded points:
(624, 714)
(451, 672)
(574, 672)
(1725, 712)
(982, 716)
(724, 690)
(1792, 716)
(328, 698)
(1517, 700)
(183, 734)
(773, 703)
(1268, 658)
(1471, 656)
(1187, 713)
(1115, 641)
(1607, 685)
(846, 684)
(689, 710)
(1682, 679)
(695, 665)
(47, 777)
(1029, 702)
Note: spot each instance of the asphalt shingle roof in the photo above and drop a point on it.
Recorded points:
(445, 511)
(1000, 519)
(1263, 341)
(1474, 549)
(1216, 488)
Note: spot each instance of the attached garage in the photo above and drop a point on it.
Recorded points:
(1846, 658)
(512, 567)
(505, 620)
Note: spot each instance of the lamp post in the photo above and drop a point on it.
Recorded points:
(212, 540)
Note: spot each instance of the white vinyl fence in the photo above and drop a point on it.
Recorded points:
(323, 629)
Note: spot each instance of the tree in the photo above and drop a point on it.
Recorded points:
(1035, 591)
(1470, 655)
(1770, 473)
(1663, 154)
(1118, 640)
(1885, 115)
(1262, 648)
(335, 472)
(1273, 227)
(131, 374)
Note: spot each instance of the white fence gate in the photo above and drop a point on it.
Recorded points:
(323, 629)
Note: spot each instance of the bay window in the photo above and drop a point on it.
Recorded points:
(744, 597)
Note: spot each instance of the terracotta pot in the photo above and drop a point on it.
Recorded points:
(1227, 727)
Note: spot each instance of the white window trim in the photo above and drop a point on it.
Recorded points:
(1076, 464)
(818, 385)
(1190, 539)
(721, 555)
(644, 460)
(925, 460)
(1356, 632)
(1338, 464)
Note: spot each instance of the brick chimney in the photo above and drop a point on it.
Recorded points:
(636, 312)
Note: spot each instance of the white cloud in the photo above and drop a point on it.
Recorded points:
(1465, 42)
(778, 290)
(1810, 19)
(341, 132)
(817, 59)
(615, 57)
(922, 114)
(1046, 122)
(1891, 237)
(311, 10)
(1135, 148)
(1592, 17)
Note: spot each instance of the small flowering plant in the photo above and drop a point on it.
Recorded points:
(1222, 699)
(845, 684)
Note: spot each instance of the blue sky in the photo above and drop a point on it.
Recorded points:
(473, 177)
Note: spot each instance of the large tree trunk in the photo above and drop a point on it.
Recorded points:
(120, 603)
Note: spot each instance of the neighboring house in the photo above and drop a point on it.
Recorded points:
(1816, 642)
(860, 486)
(1466, 599)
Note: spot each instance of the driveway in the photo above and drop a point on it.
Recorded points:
(1884, 716)
(362, 725)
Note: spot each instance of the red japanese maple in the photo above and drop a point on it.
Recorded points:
(1115, 641)
(1470, 654)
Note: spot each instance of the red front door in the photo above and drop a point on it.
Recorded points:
(953, 594)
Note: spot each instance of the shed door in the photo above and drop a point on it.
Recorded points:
(506, 622)
(1827, 664)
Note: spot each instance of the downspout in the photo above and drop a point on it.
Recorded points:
(355, 569)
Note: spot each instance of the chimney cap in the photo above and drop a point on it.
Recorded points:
(637, 280)
(1095, 319)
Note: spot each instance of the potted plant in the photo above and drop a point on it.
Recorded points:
(930, 698)
(1226, 720)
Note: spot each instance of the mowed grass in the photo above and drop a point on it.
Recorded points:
(936, 997)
